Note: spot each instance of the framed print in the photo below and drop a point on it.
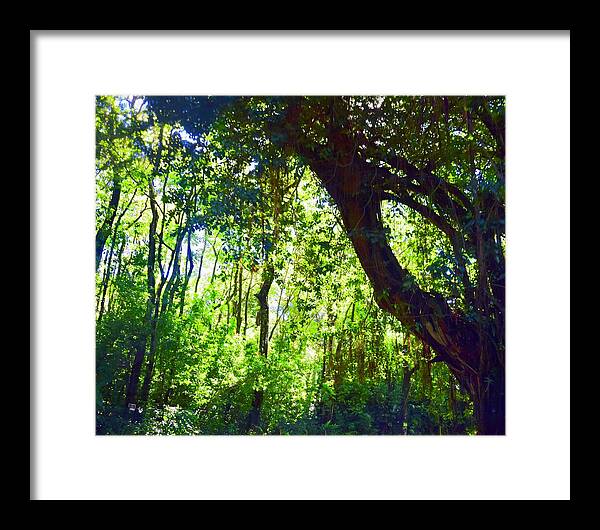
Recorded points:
(301, 265)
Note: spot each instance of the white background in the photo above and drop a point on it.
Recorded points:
(530, 462)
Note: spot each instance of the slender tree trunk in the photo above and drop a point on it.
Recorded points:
(404, 393)
(339, 369)
(231, 291)
(189, 267)
(132, 387)
(117, 274)
(216, 252)
(171, 285)
(151, 355)
(321, 403)
(106, 228)
(361, 363)
(263, 311)
(105, 281)
(238, 305)
(200, 264)
(246, 302)
(108, 262)
(262, 318)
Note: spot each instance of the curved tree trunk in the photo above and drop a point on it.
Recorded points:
(474, 351)
(475, 360)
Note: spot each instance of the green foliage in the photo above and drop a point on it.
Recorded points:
(215, 182)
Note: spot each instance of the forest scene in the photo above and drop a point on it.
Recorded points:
(300, 265)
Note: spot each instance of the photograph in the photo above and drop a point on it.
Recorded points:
(300, 265)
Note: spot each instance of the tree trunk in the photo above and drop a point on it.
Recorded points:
(262, 318)
(263, 308)
(254, 415)
(136, 368)
(404, 393)
(201, 261)
(489, 402)
(238, 303)
(151, 357)
(246, 302)
(105, 281)
(189, 268)
(172, 282)
(106, 228)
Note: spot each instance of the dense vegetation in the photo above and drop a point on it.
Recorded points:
(300, 265)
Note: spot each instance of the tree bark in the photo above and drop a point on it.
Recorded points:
(262, 318)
